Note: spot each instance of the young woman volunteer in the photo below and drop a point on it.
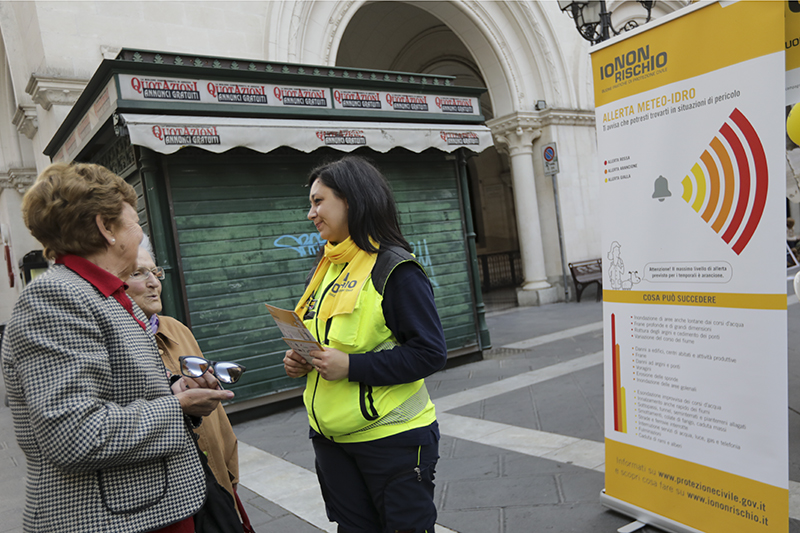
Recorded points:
(370, 305)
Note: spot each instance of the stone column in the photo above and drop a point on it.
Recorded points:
(518, 143)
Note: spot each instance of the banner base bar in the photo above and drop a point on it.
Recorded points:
(644, 516)
(630, 528)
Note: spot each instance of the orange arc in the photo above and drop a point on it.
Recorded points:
(713, 190)
(727, 172)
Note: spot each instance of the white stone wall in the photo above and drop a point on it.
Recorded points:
(579, 191)
(72, 33)
(21, 242)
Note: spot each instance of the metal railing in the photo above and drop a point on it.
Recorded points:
(500, 270)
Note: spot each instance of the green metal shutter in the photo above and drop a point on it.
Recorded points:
(244, 240)
(426, 189)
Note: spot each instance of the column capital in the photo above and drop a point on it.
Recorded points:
(568, 117)
(48, 91)
(19, 179)
(515, 134)
(26, 120)
(520, 119)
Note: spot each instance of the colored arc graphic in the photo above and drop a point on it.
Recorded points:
(707, 182)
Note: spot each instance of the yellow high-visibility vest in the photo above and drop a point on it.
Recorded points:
(346, 411)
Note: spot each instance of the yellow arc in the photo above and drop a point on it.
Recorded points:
(700, 179)
(687, 189)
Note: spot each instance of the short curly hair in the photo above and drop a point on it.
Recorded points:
(61, 207)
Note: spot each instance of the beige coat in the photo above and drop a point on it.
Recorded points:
(216, 434)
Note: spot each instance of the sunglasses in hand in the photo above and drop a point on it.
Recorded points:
(193, 366)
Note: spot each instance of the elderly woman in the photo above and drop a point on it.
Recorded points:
(104, 434)
(215, 436)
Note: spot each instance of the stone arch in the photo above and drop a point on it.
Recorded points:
(515, 45)
(522, 52)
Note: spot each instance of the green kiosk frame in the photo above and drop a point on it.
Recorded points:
(219, 150)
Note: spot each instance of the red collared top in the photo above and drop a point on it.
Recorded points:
(107, 283)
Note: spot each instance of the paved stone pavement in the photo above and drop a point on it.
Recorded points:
(522, 437)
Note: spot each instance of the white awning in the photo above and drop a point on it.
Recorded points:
(167, 134)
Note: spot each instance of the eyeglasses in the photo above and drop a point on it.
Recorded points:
(193, 366)
(143, 273)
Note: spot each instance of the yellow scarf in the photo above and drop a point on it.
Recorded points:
(342, 296)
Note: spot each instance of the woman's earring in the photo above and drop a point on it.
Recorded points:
(113, 241)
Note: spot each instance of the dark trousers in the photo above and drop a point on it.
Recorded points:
(375, 487)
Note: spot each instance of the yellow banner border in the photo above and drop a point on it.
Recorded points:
(659, 483)
(698, 299)
(706, 26)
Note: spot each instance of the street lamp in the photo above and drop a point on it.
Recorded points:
(594, 21)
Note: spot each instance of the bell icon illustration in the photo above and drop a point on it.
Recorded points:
(661, 189)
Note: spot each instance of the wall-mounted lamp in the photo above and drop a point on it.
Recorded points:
(594, 22)
(540, 104)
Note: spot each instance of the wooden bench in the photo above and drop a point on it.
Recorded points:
(585, 273)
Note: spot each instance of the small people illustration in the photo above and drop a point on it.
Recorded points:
(616, 270)
(617, 267)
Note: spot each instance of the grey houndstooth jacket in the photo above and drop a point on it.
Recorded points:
(105, 440)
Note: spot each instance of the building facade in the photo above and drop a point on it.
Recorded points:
(528, 55)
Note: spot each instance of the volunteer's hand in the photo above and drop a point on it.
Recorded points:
(331, 364)
(295, 365)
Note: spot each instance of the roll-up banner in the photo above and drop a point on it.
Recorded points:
(691, 128)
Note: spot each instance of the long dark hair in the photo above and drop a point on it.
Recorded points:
(372, 211)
